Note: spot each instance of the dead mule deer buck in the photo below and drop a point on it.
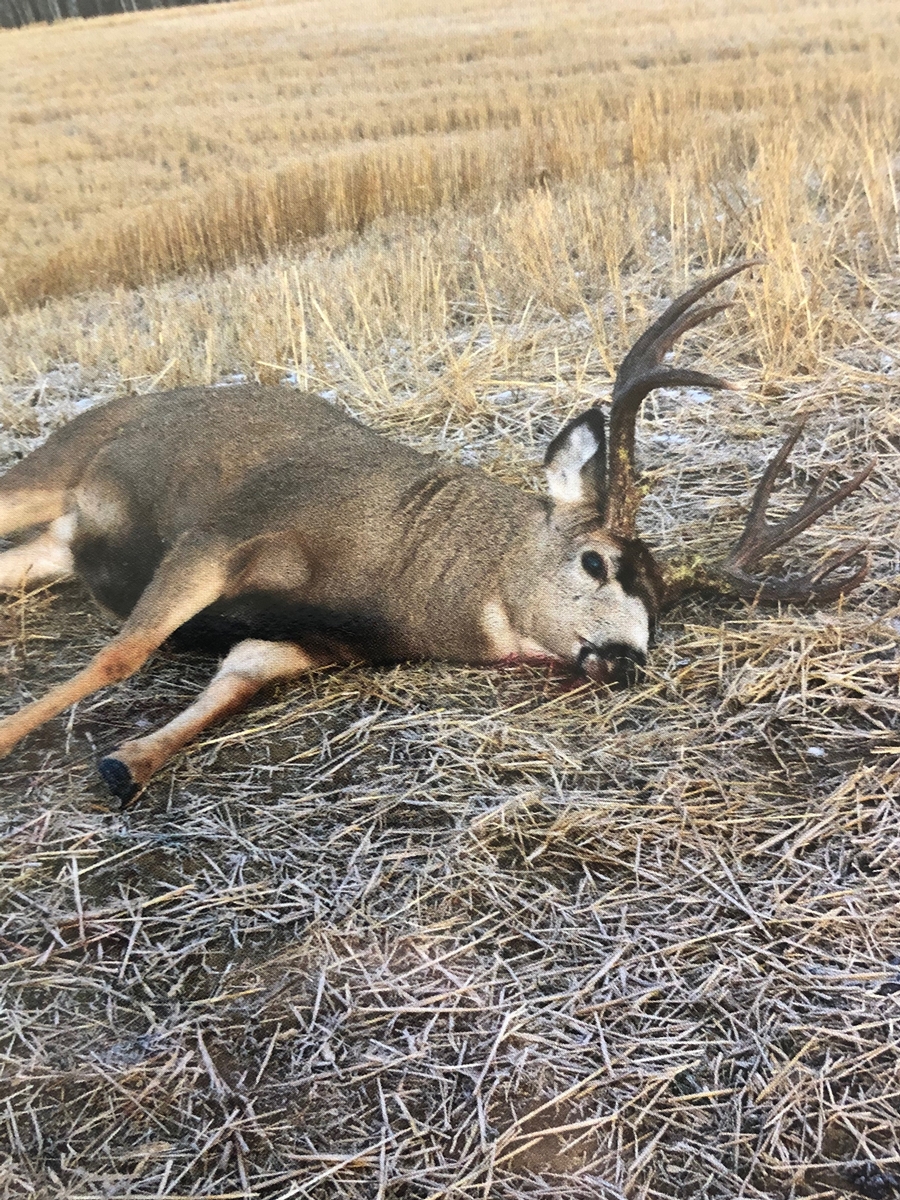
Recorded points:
(269, 524)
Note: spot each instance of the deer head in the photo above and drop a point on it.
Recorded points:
(614, 589)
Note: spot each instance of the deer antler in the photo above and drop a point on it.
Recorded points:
(760, 537)
(641, 371)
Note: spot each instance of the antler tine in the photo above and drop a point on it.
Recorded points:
(678, 306)
(837, 560)
(760, 537)
(639, 374)
(634, 366)
(763, 493)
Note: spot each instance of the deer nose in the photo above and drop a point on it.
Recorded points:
(614, 663)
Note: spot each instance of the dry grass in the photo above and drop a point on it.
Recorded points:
(142, 147)
(429, 932)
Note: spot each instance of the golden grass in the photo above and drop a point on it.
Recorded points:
(432, 932)
(142, 147)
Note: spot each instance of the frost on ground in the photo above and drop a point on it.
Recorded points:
(430, 931)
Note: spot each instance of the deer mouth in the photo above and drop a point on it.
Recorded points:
(613, 664)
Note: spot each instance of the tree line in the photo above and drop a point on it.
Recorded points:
(14, 13)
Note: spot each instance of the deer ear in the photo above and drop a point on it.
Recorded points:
(575, 461)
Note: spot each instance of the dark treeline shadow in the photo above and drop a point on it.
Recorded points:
(15, 13)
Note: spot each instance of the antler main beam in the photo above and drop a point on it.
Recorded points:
(642, 371)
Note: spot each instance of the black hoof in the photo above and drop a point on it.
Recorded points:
(118, 779)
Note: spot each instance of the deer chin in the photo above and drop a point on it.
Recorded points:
(613, 664)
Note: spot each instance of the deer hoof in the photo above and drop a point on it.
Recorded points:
(118, 778)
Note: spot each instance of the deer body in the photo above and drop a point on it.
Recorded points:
(336, 537)
(270, 525)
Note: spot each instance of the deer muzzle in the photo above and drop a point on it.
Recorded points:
(613, 664)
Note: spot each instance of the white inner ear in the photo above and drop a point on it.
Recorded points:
(564, 472)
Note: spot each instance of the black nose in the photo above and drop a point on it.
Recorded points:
(612, 663)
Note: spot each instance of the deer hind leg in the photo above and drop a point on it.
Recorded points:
(249, 666)
(188, 579)
(20, 508)
(47, 558)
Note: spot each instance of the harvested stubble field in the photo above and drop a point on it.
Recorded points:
(428, 931)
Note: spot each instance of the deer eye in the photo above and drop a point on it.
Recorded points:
(595, 565)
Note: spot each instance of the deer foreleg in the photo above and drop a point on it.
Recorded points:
(248, 667)
(185, 583)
